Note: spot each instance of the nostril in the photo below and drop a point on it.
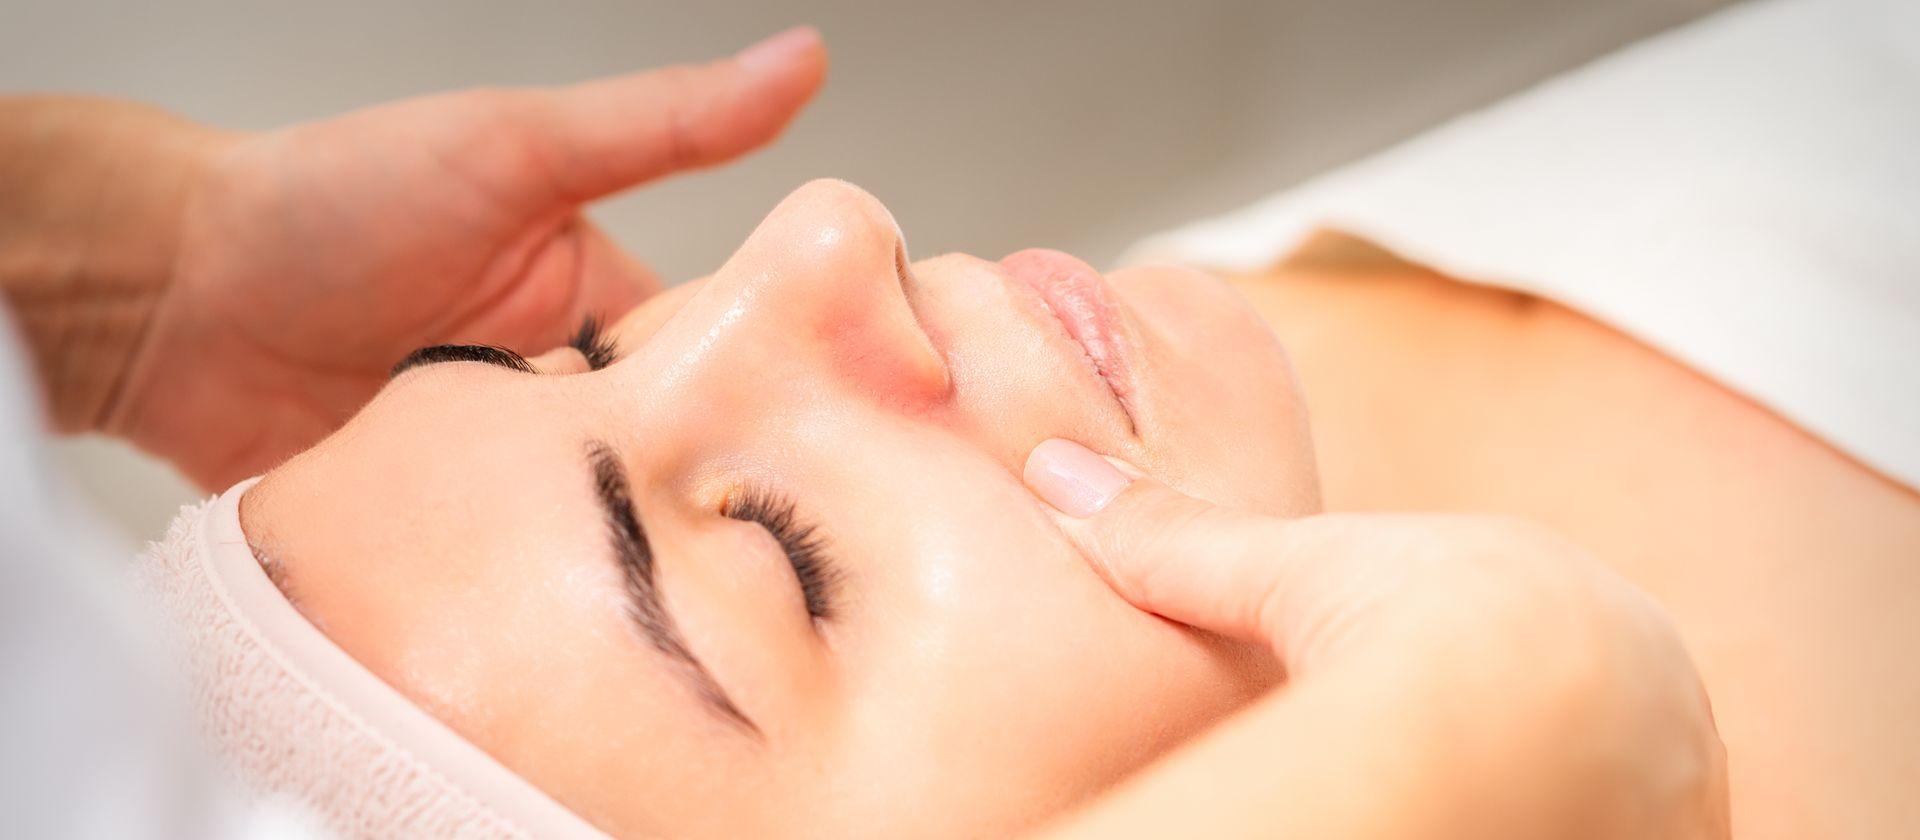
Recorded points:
(900, 269)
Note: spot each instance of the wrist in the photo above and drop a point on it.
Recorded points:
(96, 192)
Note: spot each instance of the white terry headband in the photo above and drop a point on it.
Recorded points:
(298, 719)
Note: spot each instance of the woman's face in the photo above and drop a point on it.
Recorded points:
(583, 571)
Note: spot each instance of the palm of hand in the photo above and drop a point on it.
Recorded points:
(315, 257)
(337, 247)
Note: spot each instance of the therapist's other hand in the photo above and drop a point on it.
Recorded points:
(310, 259)
(1448, 676)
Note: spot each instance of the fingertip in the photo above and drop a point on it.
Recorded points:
(775, 79)
(783, 50)
(1072, 478)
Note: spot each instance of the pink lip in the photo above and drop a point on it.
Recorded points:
(1078, 297)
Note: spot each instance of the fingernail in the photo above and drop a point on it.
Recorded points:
(1072, 477)
(779, 49)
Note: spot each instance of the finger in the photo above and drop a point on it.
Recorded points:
(1311, 588)
(606, 135)
(1194, 562)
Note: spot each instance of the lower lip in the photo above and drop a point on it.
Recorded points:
(1079, 299)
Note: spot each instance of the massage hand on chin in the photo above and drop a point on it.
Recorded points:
(1448, 676)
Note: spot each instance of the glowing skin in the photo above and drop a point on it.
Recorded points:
(975, 676)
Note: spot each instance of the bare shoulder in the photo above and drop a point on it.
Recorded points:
(1790, 567)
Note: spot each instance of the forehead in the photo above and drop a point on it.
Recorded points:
(460, 557)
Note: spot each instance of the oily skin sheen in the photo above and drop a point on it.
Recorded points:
(976, 675)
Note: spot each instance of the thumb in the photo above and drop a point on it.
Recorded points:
(1314, 588)
(611, 281)
(1216, 568)
(602, 136)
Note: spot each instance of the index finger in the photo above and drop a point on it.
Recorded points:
(1197, 563)
(606, 135)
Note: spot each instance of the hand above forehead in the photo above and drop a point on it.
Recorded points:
(311, 258)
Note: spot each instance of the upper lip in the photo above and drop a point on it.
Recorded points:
(1079, 300)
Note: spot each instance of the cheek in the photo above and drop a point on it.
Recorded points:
(1228, 424)
(1004, 677)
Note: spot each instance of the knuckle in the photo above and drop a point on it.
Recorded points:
(680, 89)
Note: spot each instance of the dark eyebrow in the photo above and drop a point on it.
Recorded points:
(635, 556)
(437, 353)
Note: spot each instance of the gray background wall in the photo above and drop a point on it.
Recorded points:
(986, 126)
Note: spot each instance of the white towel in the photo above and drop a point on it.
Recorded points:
(300, 721)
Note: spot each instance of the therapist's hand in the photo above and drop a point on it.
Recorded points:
(311, 259)
(1447, 676)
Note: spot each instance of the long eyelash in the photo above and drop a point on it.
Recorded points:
(805, 546)
(593, 342)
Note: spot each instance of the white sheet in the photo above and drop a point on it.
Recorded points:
(1742, 193)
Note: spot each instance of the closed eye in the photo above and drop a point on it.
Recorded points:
(593, 342)
(805, 547)
(485, 353)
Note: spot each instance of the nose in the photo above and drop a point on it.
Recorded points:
(819, 295)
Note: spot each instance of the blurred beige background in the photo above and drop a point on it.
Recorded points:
(985, 126)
